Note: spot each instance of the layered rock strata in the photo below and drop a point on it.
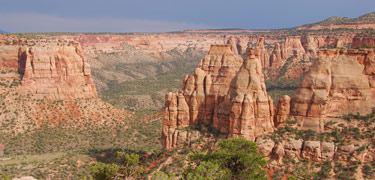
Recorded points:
(225, 93)
(277, 57)
(53, 69)
(340, 82)
(363, 41)
(282, 110)
(263, 54)
(318, 151)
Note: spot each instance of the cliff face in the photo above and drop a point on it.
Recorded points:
(224, 93)
(48, 82)
(156, 47)
(277, 57)
(340, 82)
(363, 41)
(56, 70)
(263, 54)
(251, 111)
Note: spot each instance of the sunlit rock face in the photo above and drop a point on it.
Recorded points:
(340, 82)
(50, 69)
(226, 93)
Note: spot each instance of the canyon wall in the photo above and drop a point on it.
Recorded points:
(52, 69)
(48, 82)
(363, 41)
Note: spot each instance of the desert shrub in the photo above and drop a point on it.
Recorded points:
(236, 158)
(103, 171)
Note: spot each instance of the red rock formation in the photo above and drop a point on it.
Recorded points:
(203, 93)
(363, 41)
(221, 95)
(242, 44)
(233, 45)
(56, 70)
(277, 58)
(293, 47)
(263, 54)
(251, 108)
(48, 82)
(296, 149)
(340, 82)
(282, 110)
(310, 45)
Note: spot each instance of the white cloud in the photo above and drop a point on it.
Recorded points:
(32, 22)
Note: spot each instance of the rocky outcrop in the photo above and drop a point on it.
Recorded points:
(251, 108)
(293, 47)
(340, 82)
(363, 41)
(226, 93)
(54, 69)
(233, 45)
(203, 94)
(243, 44)
(277, 58)
(299, 149)
(48, 83)
(282, 110)
(263, 54)
(310, 45)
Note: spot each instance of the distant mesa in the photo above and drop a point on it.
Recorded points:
(366, 21)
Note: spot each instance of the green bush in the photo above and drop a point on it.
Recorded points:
(102, 171)
(160, 175)
(4, 176)
(236, 158)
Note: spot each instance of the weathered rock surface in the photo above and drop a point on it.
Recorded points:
(313, 150)
(327, 150)
(233, 45)
(251, 108)
(293, 148)
(202, 93)
(340, 82)
(277, 57)
(263, 54)
(225, 93)
(56, 70)
(293, 47)
(363, 41)
(48, 82)
(282, 110)
(265, 146)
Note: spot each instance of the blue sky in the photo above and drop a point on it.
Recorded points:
(169, 15)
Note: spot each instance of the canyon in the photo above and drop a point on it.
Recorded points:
(232, 99)
(304, 96)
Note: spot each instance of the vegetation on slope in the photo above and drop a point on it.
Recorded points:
(138, 81)
(336, 20)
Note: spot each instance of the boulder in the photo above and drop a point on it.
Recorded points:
(265, 146)
(293, 148)
(311, 150)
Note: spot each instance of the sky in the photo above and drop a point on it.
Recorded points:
(19, 16)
